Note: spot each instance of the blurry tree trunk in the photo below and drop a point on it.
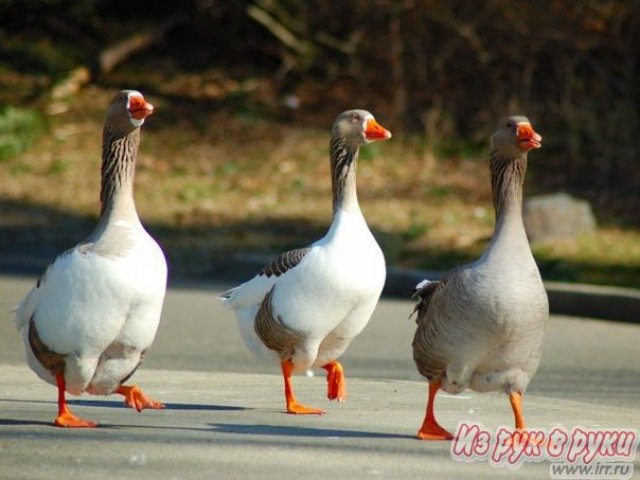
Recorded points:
(396, 51)
(302, 44)
(110, 57)
(299, 51)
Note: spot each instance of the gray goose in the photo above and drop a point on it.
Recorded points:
(481, 326)
(304, 309)
(93, 314)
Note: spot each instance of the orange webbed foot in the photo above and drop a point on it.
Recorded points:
(298, 409)
(69, 420)
(292, 404)
(430, 430)
(134, 397)
(336, 384)
(65, 417)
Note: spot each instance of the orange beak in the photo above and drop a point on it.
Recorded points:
(527, 137)
(375, 131)
(139, 108)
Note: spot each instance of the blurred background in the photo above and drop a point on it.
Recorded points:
(234, 163)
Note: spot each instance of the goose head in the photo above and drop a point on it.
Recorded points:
(515, 136)
(127, 110)
(358, 127)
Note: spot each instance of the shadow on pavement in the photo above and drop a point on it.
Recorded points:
(289, 431)
(120, 404)
(8, 422)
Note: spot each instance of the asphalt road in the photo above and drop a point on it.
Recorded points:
(224, 415)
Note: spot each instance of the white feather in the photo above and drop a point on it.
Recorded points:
(88, 303)
(422, 284)
(329, 296)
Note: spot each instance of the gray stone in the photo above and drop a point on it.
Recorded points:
(557, 215)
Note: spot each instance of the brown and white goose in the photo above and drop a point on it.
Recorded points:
(305, 308)
(93, 314)
(481, 326)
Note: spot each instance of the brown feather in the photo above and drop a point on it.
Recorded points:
(52, 361)
(273, 332)
(428, 318)
(285, 262)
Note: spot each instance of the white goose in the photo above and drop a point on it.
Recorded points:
(305, 308)
(481, 326)
(93, 314)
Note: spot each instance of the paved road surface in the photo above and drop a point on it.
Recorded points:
(224, 409)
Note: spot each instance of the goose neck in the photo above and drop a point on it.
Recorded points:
(507, 180)
(119, 151)
(344, 159)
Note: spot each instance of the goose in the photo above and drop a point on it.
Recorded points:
(481, 326)
(93, 314)
(304, 309)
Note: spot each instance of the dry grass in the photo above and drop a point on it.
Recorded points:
(212, 184)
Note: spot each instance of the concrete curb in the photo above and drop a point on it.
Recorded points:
(609, 303)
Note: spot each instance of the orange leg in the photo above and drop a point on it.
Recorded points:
(520, 435)
(336, 385)
(430, 429)
(292, 404)
(65, 417)
(134, 397)
(515, 398)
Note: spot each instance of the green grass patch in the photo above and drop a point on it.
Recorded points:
(19, 128)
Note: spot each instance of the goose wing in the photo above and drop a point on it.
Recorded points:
(28, 305)
(285, 262)
(431, 320)
(255, 290)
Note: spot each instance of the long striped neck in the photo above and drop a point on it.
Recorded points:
(507, 179)
(344, 159)
(119, 151)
